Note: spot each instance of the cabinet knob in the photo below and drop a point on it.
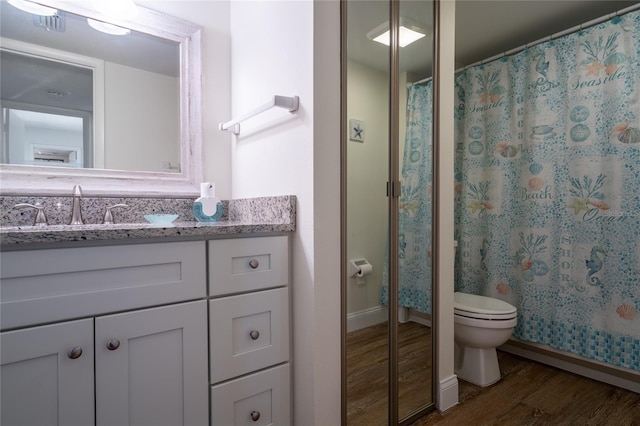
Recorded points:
(75, 352)
(254, 263)
(113, 344)
(254, 334)
(255, 415)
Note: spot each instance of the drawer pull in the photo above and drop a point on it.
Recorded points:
(113, 344)
(75, 352)
(254, 263)
(255, 415)
(255, 334)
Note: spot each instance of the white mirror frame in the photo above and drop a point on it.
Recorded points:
(53, 181)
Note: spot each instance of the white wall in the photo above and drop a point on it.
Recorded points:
(292, 48)
(213, 17)
(17, 139)
(367, 173)
(326, 133)
(447, 384)
(71, 138)
(135, 147)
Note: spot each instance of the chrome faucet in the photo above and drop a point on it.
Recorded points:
(40, 218)
(76, 211)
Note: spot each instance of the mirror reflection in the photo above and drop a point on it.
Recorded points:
(46, 126)
(368, 148)
(415, 207)
(367, 88)
(74, 96)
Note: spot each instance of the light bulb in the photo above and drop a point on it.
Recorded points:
(33, 8)
(107, 28)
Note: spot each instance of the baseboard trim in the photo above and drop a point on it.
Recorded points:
(447, 393)
(367, 318)
(420, 317)
(544, 354)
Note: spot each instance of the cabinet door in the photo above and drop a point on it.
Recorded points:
(151, 367)
(47, 375)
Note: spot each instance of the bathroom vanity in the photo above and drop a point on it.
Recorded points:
(187, 324)
(113, 321)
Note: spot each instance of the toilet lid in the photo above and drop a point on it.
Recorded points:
(470, 304)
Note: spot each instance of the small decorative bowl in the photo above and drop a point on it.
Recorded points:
(161, 219)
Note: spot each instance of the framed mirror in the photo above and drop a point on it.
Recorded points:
(118, 114)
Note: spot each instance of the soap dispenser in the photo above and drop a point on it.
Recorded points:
(207, 208)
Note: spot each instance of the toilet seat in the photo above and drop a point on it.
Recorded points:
(481, 307)
(486, 317)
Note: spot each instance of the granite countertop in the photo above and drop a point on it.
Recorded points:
(244, 216)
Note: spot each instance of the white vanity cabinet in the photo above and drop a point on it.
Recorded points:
(151, 366)
(169, 333)
(47, 375)
(150, 361)
(249, 331)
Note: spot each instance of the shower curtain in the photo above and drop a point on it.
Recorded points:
(415, 204)
(547, 191)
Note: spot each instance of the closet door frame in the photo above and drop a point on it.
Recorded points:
(393, 194)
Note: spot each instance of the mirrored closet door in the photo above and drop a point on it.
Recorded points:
(367, 213)
(415, 160)
(386, 210)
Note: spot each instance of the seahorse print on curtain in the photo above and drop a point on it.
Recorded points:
(547, 189)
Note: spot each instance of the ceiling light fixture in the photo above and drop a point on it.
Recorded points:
(107, 28)
(34, 8)
(121, 9)
(409, 32)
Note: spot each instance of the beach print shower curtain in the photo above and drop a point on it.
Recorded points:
(415, 204)
(548, 189)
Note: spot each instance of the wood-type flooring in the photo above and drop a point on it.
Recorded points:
(367, 371)
(529, 393)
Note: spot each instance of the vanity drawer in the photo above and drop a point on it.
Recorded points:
(264, 395)
(248, 264)
(248, 332)
(40, 286)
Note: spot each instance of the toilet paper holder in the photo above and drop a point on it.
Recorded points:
(359, 267)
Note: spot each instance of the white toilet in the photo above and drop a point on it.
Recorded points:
(480, 325)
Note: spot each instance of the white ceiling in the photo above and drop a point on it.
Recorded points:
(35, 81)
(137, 50)
(483, 28)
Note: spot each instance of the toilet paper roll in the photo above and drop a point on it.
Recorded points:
(364, 270)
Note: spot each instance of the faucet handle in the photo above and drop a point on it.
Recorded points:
(108, 217)
(41, 217)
